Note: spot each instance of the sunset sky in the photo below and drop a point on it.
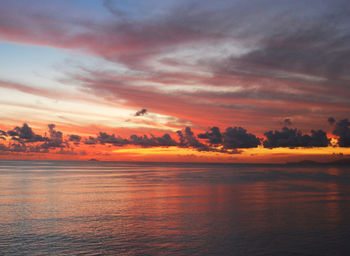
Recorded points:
(199, 81)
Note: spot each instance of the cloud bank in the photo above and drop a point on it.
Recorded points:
(232, 140)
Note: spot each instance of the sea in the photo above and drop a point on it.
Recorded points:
(129, 208)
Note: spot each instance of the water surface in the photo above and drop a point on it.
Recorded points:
(101, 208)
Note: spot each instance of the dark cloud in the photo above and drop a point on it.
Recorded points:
(17, 147)
(24, 140)
(298, 44)
(342, 130)
(75, 138)
(318, 139)
(24, 134)
(12, 133)
(331, 120)
(20, 147)
(237, 137)
(55, 139)
(287, 122)
(213, 136)
(3, 135)
(232, 138)
(188, 139)
(105, 138)
(166, 140)
(181, 138)
(292, 138)
(141, 112)
(90, 140)
(145, 141)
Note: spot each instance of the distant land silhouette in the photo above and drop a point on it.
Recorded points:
(341, 162)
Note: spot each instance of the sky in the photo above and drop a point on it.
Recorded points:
(188, 81)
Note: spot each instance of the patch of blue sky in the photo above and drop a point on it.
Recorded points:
(66, 8)
(29, 65)
(139, 9)
(48, 67)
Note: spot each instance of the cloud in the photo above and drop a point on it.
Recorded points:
(22, 139)
(141, 112)
(237, 137)
(298, 47)
(188, 139)
(75, 139)
(232, 138)
(105, 138)
(3, 135)
(55, 139)
(108, 4)
(165, 140)
(21, 147)
(17, 147)
(287, 122)
(145, 141)
(90, 140)
(331, 120)
(24, 134)
(342, 130)
(213, 136)
(292, 138)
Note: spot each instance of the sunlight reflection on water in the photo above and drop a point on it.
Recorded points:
(70, 208)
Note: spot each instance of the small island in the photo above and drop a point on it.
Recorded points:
(340, 162)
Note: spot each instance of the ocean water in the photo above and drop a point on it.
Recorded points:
(106, 208)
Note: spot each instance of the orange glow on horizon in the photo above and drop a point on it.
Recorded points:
(176, 154)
